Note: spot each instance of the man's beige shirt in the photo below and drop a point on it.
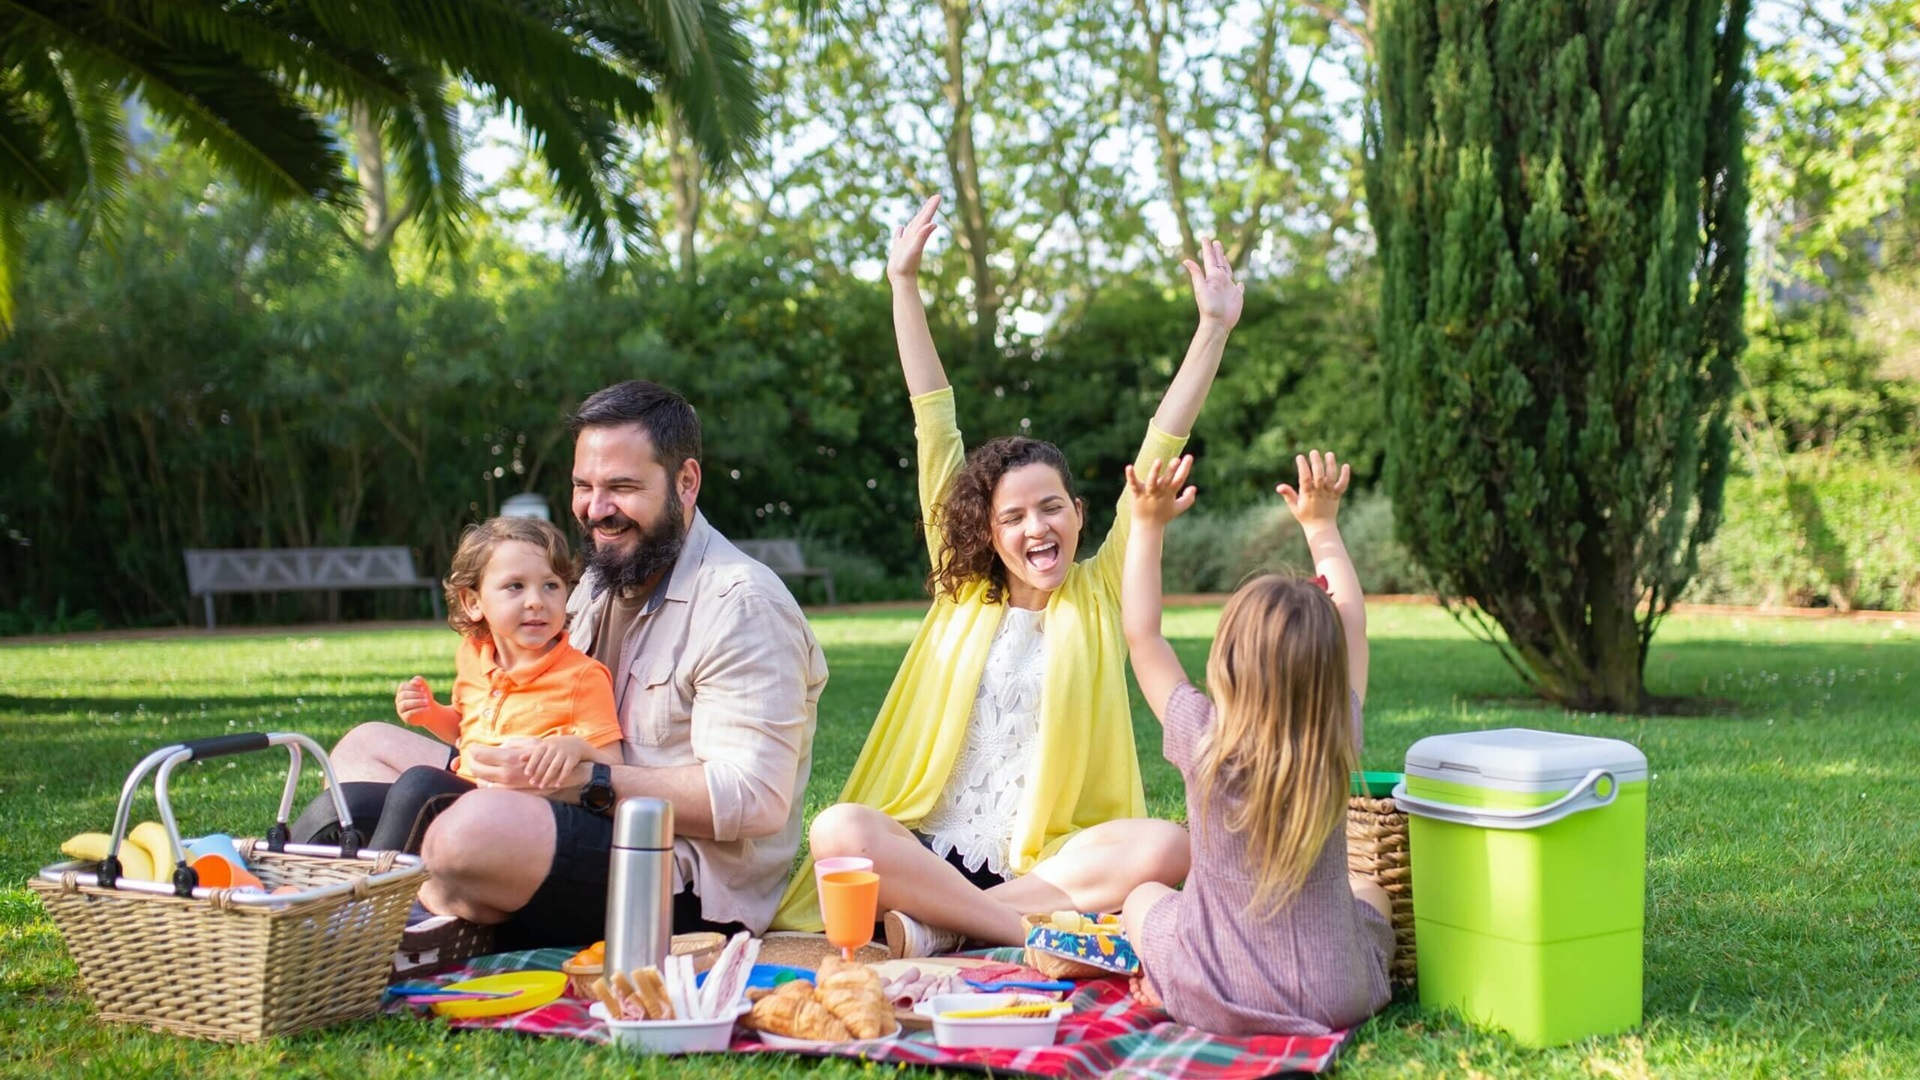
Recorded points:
(720, 670)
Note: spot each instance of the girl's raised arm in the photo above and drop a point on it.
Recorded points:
(1155, 665)
(919, 361)
(1316, 505)
(1219, 299)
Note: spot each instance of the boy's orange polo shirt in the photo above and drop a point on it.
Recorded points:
(565, 692)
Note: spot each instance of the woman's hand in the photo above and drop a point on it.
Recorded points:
(1218, 296)
(910, 243)
(1154, 498)
(1322, 481)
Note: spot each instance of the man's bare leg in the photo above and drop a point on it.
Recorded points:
(378, 753)
(488, 854)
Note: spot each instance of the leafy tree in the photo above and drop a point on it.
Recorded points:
(1559, 197)
(255, 86)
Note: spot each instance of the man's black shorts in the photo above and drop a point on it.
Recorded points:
(570, 907)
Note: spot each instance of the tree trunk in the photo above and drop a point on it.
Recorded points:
(965, 171)
(684, 176)
(379, 221)
(1161, 112)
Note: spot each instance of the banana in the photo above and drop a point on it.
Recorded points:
(152, 836)
(135, 863)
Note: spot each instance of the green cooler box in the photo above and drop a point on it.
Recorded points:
(1530, 848)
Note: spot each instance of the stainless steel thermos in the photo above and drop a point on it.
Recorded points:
(640, 885)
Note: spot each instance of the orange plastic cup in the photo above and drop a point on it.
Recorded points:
(849, 901)
(220, 872)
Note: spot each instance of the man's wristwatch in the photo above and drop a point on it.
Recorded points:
(597, 795)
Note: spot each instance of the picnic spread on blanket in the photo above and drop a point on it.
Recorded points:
(1529, 916)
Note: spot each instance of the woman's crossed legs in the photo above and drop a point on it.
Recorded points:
(1093, 871)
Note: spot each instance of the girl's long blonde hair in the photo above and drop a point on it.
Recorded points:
(1282, 742)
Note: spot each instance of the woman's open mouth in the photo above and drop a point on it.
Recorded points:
(1043, 557)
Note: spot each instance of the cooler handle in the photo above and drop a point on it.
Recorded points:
(1588, 794)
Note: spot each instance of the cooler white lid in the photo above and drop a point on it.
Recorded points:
(1523, 755)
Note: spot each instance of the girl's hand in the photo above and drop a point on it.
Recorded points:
(551, 760)
(411, 699)
(910, 242)
(1322, 481)
(1154, 501)
(1214, 290)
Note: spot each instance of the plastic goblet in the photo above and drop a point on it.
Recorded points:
(849, 899)
(823, 867)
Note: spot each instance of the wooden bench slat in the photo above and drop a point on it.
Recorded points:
(234, 570)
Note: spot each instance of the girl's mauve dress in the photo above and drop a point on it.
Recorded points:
(1317, 965)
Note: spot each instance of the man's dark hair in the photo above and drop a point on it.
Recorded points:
(664, 415)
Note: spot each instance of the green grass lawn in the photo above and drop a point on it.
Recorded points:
(1783, 877)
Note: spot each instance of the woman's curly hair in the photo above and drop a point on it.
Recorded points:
(966, 517)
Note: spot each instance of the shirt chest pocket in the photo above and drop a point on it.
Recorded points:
(653, 700)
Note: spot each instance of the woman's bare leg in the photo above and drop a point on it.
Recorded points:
(913, 879)
(1098, 868)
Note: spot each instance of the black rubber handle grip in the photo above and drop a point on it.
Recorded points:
(222, 745)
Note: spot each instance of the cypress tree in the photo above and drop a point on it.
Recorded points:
(1558, 194)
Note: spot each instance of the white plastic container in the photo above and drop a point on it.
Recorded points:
(999, 1032)
(671, 1036)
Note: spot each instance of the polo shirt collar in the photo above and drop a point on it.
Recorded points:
(490, 663)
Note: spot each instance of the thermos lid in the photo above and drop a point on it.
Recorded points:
(640, 822)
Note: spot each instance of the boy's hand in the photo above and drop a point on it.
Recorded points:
(1322, 481)
(551, 760)
(1218, 296)
(1154, 501)
(412, 698)
(910, 242)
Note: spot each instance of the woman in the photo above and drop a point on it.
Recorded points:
(1000, 777)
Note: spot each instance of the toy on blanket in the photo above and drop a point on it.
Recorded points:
(1071, 945)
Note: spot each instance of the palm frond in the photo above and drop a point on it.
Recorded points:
(9, 262)
(27, 173)
(485, 42)
(425, 142)
(579, 150)
(288, 41)
(86, 132)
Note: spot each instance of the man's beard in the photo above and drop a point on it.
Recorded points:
(654, 552)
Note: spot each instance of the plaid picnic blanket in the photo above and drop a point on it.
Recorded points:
(1109, 1034)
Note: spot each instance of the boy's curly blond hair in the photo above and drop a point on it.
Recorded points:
(477, 545)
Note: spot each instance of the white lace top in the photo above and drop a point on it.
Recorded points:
(976, 810)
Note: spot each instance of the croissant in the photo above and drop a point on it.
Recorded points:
(855, 994)
(797, 1015)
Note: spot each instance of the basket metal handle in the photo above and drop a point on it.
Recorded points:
(167, 757)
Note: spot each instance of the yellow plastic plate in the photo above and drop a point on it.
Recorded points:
(534, 989)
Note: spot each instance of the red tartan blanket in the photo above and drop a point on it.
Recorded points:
(1109, 1034)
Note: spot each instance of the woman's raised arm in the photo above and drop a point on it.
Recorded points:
(919, 361)
(1219, 299)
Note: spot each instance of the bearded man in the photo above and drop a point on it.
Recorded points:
(716, 678)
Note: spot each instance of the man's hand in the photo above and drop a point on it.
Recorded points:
(552, 759)
(1217, 295)
(1154, 498)
(910, 243)
(411, 699)
(1322, 481)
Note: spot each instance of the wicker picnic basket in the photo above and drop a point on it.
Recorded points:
(1377, 851)
(224, 964)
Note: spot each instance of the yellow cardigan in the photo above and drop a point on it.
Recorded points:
(1085, 768)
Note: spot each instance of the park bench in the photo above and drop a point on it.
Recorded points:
(267, 570)
(783, 557)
